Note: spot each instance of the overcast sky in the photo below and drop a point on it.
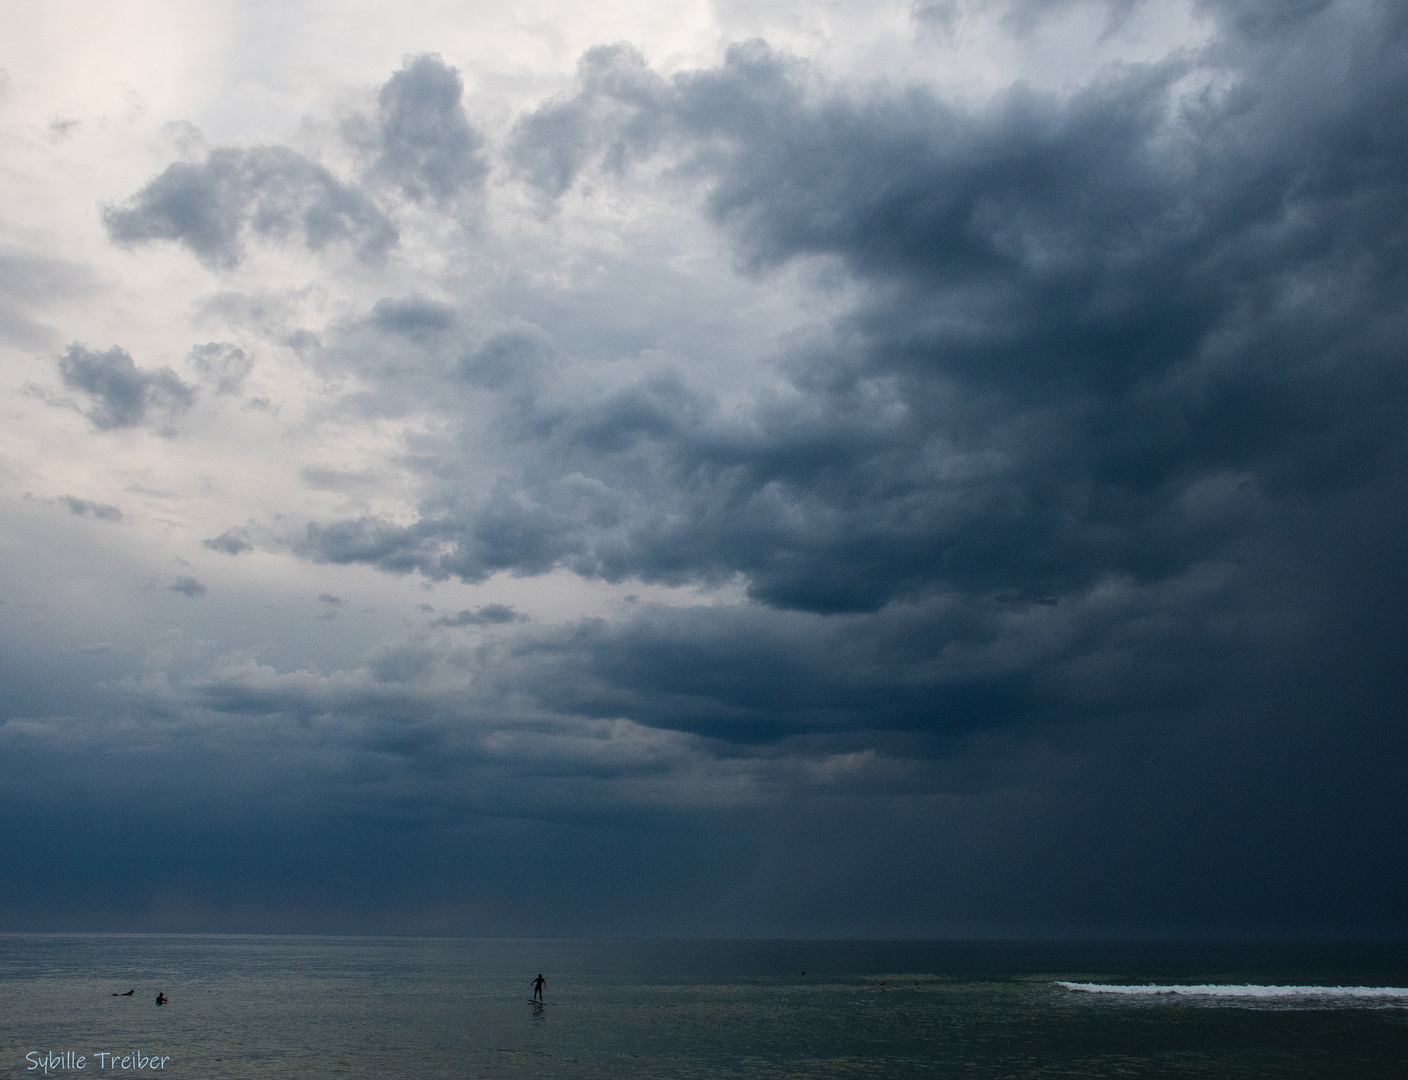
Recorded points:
(778, 468)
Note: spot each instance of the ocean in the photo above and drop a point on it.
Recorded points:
(390, 1007)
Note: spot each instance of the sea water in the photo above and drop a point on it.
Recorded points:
(253, 1007)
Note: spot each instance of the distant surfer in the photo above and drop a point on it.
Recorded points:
(128, 994)
(538, 985)
(161, 999)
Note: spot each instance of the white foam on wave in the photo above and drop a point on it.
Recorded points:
(1244, 990)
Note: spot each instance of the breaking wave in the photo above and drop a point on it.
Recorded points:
(1245, 990)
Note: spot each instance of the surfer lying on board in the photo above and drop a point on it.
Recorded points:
(538, 985)
(128, 994)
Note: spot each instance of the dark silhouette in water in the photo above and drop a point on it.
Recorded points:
(161, 999)
(128, 994)
(538, 985)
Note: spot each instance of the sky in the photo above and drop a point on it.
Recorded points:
(829, 469)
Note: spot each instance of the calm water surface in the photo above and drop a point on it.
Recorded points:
(245, 1006)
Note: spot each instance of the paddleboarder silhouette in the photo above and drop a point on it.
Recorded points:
(538, 985)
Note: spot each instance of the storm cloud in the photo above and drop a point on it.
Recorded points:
(872, 503)
(1079, 319)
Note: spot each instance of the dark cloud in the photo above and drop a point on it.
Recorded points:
(422, 140)
(488, 615)
(1072, 532)
(232, 541)
(187, 586)
(1080, 318)
(1077, 526)
(1025, 16)
(1098, 759)
(924, 676)
(328, 598)
(84, 508)
(270, 190)
(733, 676)
(403, 349)
(1261, 21)
(370, 540)
(415, 317)
(414, 351)
(222, 364)
(617, 116)
(511, 358)
(124, 395)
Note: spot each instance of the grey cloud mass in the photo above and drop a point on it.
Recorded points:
(222, 364)
(85, 508)
(1078, 316)
(488, 615)
(270, 190)
(422, 140)
(232, 541)
(421, 143)
(122, 394)
(1002, 534)
(187, 586)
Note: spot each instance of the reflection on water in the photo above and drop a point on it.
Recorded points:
(394, 1007)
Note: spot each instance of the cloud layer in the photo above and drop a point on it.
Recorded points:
(802, 504)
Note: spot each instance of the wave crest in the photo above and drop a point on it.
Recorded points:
(1243, 990)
